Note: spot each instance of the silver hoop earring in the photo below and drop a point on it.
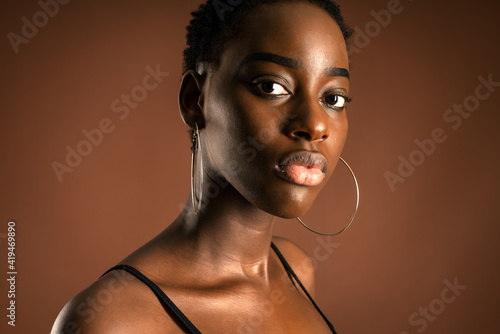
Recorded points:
(196, 151)
(355, 209)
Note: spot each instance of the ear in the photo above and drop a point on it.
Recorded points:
(191, 99)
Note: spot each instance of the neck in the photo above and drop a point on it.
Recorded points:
(228, 232)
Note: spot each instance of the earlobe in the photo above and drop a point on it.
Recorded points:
(191, 99)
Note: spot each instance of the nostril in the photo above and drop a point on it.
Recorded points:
(302, 134)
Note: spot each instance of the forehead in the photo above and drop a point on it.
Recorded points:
(297, 30)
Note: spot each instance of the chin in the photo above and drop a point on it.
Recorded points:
(288, 209)
(292, 215)
(282, 199)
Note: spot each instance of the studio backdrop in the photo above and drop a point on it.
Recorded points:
(95, 160)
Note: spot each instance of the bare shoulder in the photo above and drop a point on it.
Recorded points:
(116, 303)
(298, 259)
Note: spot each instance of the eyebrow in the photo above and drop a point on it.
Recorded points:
(337, 72)
(270, 57)
(287, 62)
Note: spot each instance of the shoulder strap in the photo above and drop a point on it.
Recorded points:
(290, 271)
(160, 294)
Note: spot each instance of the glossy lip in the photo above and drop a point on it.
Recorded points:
(311, 160)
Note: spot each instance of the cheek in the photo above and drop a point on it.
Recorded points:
(239, 116)
(232, 135)
(338, 135)
(338, 126)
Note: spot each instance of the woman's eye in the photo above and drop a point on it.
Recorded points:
(272, 88)
(337, 101)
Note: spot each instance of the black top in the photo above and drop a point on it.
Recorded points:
(178, 313)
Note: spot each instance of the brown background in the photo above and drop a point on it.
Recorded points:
(441, 223)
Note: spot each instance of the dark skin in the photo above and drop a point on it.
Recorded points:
(217, 265)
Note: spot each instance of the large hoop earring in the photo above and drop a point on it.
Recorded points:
(355, 209)
(196, 151)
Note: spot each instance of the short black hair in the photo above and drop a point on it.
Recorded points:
(217, 21)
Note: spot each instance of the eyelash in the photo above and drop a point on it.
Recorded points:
(257, 85)
(345, 97)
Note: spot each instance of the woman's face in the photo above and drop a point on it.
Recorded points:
(274, 118)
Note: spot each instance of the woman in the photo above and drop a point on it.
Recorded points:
(264, 92)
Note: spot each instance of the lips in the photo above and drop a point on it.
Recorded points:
(303, 168)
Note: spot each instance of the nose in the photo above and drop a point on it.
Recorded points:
(308, 121)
